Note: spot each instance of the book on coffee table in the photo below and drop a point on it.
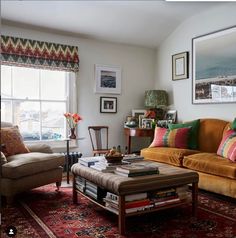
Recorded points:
(136, 169)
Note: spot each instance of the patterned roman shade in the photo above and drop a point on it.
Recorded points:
(32, 53)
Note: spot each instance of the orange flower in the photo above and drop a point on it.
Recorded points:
(72, 119)
(67, 114)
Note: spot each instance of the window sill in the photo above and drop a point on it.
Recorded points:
(56, 145)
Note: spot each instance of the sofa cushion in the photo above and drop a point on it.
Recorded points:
(173, 156)
(193, 137)
(43, 148)
(176, 138)
(13, 141)
(21, 165)
(211, 163)
(227, 147)
(210, 134)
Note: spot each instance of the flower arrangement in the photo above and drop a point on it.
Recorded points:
(72, 119)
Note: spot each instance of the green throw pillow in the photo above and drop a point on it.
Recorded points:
(233, 126)
(193, 139)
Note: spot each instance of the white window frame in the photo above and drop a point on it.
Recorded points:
(71, 106)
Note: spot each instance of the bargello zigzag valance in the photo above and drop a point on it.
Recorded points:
(32, 53)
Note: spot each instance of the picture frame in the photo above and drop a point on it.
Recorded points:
(139, 114)
(214, 67)
(108, 104)
(162, 123)
(107, 79)
(170, 116)
(147, 123)
(140, 118)
(180, 66)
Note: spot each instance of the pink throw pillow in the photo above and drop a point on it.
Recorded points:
(177, 138)
(227, 148)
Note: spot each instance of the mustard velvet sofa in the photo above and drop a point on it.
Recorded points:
(216, 174)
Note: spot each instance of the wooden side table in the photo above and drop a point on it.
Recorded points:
(138, 132)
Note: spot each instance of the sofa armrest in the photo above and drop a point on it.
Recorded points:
(43, 148)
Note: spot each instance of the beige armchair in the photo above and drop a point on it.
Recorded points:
(25, 171)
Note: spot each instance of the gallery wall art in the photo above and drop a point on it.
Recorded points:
(214, 67)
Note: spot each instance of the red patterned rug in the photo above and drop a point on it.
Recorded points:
(43, 212)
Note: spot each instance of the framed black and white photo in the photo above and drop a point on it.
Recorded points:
(108, 104)
(214, 67)
(107, 79)
(147, 123)
(170, 116)
(139, 115)
(180, 66)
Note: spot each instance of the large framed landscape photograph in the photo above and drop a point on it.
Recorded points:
(214, 67)
(107, 79)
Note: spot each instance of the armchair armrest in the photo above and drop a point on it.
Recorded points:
(43, 148)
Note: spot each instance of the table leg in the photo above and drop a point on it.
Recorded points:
(121, 216)
(129, 144)
(194, 198)
(67, 161)
(75, 195)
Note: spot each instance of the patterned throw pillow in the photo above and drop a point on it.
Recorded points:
(177, 138)
(193, 137)
(13, 141)
(227, 148)
(233, 125)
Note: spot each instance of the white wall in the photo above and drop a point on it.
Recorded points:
(180, 92)
(138, 68)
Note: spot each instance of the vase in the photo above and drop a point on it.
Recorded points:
(72, 133)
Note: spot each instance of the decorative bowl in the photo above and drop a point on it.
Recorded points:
(114, 159)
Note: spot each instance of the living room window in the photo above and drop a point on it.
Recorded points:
(35, 100)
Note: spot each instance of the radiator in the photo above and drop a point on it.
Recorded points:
(73, 158)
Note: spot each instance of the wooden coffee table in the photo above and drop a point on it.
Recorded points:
(169, 177)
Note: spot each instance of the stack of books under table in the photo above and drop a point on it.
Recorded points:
(133, 202)
(136, 169)
(147, 200)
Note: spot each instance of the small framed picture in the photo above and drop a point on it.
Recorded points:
(162, 123)
(180, 66)
(107, 79)
(140, 119)
(137, 112)
(147, 123)
(170, 116)
(108, 104)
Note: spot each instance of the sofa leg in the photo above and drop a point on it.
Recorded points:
(58, 184)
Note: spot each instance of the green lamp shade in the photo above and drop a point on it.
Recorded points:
(156, 98)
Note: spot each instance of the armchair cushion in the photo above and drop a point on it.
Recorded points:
(43, 148)
(21, 165)
(13, 141)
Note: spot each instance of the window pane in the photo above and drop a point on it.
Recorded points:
(26, 116)
(53, 122)
(6, 81)
(25, 83)
(6, 111)
(53, 85)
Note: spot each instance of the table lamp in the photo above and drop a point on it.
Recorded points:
(156, 100)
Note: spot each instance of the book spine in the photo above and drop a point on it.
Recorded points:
(143, 173)
(90, 193)
(137, 209)
(137, 204)
(87, 164)
(137, 196)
